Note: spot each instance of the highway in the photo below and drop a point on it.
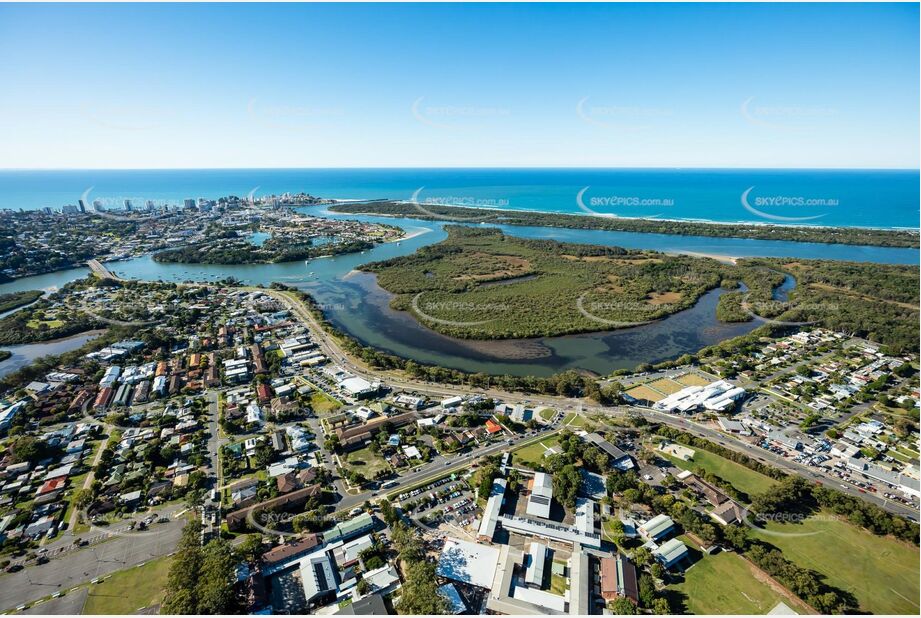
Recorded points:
(336, 355)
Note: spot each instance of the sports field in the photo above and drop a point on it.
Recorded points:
(882, 573)
(126, 592)
(726, 583)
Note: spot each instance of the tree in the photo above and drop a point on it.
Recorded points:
(200, 580)
(657, 571)
(420, 592)
(214, 587)
(622, 606)
(83, 498)
(641, 556)
(251, 548)
(661, 606)
(30, 449)
(566, 485)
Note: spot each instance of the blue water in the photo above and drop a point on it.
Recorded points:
(865, 198)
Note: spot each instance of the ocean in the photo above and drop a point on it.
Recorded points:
(860, 198)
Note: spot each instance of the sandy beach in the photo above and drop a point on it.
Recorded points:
(726, 259)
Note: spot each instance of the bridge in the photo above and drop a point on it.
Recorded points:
(101, 271)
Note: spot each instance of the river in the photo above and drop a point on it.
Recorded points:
(355, 303)
(27, 353)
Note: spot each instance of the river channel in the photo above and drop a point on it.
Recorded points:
(355, 303)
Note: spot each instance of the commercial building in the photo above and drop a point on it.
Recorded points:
(541, 487)
(657, 528)
(618, 579)
(468, 563)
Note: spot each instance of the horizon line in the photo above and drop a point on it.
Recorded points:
(452, 167)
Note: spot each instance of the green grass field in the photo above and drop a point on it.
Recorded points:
(739, 476)
(370, 464)
(574, 420)
(323, 403)
(881, 572)
(125, 592)
(547, 413)
(533, 454)
(725, 583)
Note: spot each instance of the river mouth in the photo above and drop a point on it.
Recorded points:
(355, 303)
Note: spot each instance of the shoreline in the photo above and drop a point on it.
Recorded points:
(578, 213)
(418, 232)
(725, 259)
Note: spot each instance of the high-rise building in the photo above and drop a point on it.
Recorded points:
(81, 206)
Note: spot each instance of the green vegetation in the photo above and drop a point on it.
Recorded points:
(725, 583)
(30, 326)
(240, 251)
(11, 301)
(364, 462)
(737, 475)
(532, 455)
(558, 583)
(419, 594)
(843, 235)
(875, 301)
(881, 572)
(567, 383)
(125, 592)
(573, 419)
(321, 403)
(201, 579)
(482, 284)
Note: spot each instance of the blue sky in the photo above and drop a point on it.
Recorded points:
(192, 86)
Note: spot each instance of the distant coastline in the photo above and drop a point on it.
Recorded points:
(876, 237)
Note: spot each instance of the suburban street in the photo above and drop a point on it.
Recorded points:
(331, 349)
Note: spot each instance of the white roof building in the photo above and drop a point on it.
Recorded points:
(468, 563)
(541, 495)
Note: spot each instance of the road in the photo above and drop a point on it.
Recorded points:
(332, 350)
(84, 565)
(91, 475)
(441, 466)
(788, 465)
(214, 439)
(101, 271)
